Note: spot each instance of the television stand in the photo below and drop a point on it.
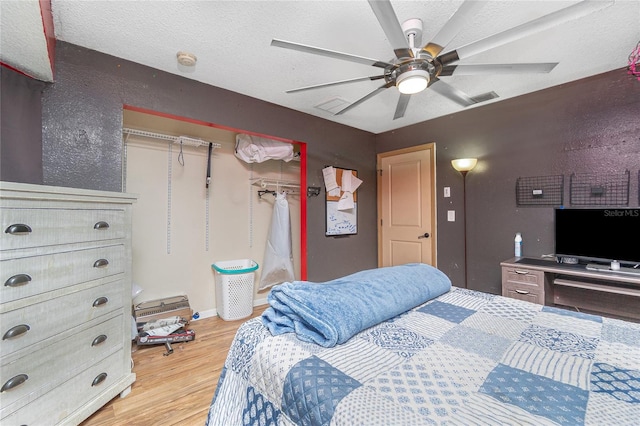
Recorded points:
(599, 291)
(607, 268)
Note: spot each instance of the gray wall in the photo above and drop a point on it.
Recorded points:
(82, 140)
(20, 127)
(588, 126)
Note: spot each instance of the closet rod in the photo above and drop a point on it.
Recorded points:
(185, 140)
(262, 192)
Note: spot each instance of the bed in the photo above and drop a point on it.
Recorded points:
(459, 358)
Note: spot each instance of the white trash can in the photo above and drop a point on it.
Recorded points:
(234, 288)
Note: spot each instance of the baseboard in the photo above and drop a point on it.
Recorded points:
(260, 302)
(212, 312)
(205, 314)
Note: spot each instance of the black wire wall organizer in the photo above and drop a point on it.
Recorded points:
(611, 189)
(540, 191)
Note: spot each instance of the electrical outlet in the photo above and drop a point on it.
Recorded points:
(451, 215)
(447, 192)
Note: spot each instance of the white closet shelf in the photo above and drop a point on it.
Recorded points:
(270, 183)
(184, 140)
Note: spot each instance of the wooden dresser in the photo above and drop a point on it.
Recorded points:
(65, 302)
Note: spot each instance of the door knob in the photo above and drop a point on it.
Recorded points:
(425, 235)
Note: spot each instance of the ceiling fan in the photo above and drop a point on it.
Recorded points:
(416, 68)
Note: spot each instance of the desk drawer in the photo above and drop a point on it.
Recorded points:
(26, 228)
(34, 323)
(522, 291)
(28, 276)
(523, 284)
(523, 275)
(48, 367)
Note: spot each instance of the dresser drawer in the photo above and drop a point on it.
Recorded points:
(28, 276)
(26, 228)
(54, 406)
(35, 323)
(48, 367)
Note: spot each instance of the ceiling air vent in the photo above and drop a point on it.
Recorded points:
(332, 105)
(485, 97)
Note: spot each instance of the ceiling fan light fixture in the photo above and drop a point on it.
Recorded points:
(411, 82)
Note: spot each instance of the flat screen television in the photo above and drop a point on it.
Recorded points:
(598, 235)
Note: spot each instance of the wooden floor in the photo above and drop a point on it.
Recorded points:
(176, 389)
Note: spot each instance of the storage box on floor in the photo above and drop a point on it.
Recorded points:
(234, 288)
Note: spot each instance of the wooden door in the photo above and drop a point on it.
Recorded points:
(407, 206)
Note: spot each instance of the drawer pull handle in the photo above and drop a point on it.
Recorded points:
(17, 280)
(16, 331)
(13, 382)
(99, 379)
(100, 263)
(18, 229)
(521, 272)
(522, 291)
(100, 301)
(101, 225)
(100, 339)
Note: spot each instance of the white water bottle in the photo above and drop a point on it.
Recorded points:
(518, 244)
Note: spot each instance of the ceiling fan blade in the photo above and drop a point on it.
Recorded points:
(574, 11)
(330, 53)
(364, 98)
(391, 27)
(452, 27)
(493, 69)
(403, 101)
(335, 83)
(448, 91)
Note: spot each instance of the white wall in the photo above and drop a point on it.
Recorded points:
(175, 260)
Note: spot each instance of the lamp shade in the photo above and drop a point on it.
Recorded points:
(464, 164)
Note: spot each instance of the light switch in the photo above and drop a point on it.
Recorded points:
(451, 215)
(447, 192)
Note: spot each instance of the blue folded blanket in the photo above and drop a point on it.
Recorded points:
(330, 313)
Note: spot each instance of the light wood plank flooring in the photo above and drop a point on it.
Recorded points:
(176, 389)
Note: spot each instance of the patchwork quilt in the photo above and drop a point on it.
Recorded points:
(464, 358)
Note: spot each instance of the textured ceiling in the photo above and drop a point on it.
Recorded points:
(231, 40)
(24, 32)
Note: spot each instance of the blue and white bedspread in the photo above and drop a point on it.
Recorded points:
(464, 358)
